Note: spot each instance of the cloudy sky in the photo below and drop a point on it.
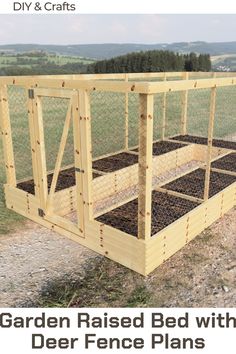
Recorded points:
(82, 29)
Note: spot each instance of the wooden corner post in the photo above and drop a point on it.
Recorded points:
(184, 115)
(39, 161)
(5, 126)
(86, 153)
(163, 130)
(126, 116)
(145, 165)
(209, 143)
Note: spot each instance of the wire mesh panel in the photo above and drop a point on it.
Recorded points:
(173, 113)
(18, 110)
(225, 118)
(114, 168)
(198, 112)
(108, 122)
(54, 112)
(133, 114)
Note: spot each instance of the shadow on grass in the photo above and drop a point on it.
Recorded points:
(102, 284)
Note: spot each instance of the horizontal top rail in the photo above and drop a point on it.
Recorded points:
(75, 82)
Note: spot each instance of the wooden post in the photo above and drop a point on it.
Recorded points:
(5, 126)
(209, 144)
(163, 131)
(40, 151)
(184, 107)
(86, 153)
(126, 116)
(145, 165)
(31, 120)
(78, 162)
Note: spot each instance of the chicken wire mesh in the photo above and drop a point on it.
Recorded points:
(113, 179)
(18, 111)
(54, 112)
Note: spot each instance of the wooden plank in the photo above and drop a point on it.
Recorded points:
(40, 152)
(78, 163)
(55, 93)
(126, 116)
(184, 107)
(118, 86)
(59, 158)
(145, 166)
(163, 130)
(5, 127)
(89, 85)
(181, 85)
(209, 143)
(178, 194)
(226, 172)
(31, 120)
(86, 153)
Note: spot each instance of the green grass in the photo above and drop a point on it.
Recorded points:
(100, 284)
(108, 129)
(9, 60)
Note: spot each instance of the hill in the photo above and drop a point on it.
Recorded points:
(109, 50)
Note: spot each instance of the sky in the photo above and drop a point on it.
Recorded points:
(85, 29)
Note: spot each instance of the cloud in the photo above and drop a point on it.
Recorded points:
(81, 29)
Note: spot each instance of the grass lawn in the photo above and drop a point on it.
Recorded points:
(108, 127)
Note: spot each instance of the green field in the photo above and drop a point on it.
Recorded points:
(31, 61)
(108, 127)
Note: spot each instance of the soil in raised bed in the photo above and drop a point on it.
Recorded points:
(193, 183)
(165, 210)
(115, 162)
(201, 140)
(162, 147)
(65, 180)
(227, 163)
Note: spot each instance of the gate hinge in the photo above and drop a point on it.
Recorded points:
(78, 170)
(31, 93)
(41, 212)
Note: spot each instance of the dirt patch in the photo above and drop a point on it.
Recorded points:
(115, 162)
(193, 183)
(66, 179)
(201, 140)
(165, 210)
(227, 163)
(162, 147)
(41, 268)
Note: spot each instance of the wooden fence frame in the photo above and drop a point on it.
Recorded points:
(143, 253)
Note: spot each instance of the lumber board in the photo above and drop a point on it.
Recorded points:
(5, 128)
(145, 165)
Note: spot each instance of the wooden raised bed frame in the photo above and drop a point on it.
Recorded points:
(90, 197)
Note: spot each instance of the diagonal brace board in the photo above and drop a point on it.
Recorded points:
(59, 158)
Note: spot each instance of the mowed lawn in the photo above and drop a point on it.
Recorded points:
(108, 127)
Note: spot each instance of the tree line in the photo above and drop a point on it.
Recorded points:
(152, 61)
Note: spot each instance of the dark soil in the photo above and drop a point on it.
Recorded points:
(162, 147)
(201, 140)
(115, 162)
(193, 183)
(227, 163)
(165, 210)
(66, 179)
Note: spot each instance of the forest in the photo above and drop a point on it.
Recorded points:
(152, 61)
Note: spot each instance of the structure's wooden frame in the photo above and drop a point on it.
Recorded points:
(90, 198)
